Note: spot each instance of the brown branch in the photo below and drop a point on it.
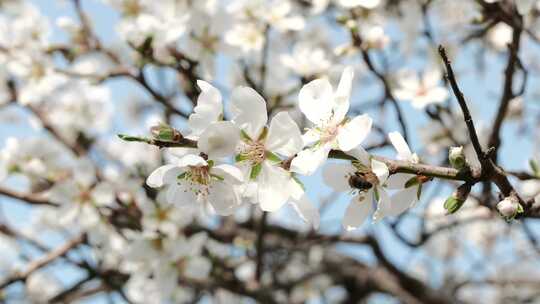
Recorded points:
(30, 199)
(44, 261)
(462, 104)
(366, 57)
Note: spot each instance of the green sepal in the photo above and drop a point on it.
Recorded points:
(376, 192)
(419, 191)
(240, 157)
(263, 134)
(126, 137)
(359, 166)
(181, 175)
(210, 163)
(412, 182)
(535, 167)
(452, 204)
(297, 180)
(217, 177)
(255, 171)
(244, 136)
(272, 157)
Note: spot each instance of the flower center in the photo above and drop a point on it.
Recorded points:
(329, 133)
(254, 152)
(199, 175)
(198, 180)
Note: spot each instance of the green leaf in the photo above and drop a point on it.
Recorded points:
(419, 191)
(272, 157)
(255, 171)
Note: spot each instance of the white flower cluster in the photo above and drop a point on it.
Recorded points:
(269, 157)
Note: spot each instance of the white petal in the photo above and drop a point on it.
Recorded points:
(307, 211)
(358, 211)
(354, 132)
(431, 77)
(342, 94)
(360, 154)
(208, 110)
(309, 160)
(524, 6)
(399, 143)
(315, 100)
(310, 137)
(157, 177)
(103, 194)
(380, 169)
(437, 94)
(403, 200)
(220, 139)
(398, 180)
(223, 198)
(230, 173)
(337, 176)
(181, 195)
(384, 205)
(284, 137)
(192, 160)
(273, 187)
(248, 110)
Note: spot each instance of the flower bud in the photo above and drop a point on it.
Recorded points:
(165, 132)
(458, 198)
(457, 158)
(452, 204)
(509, 207)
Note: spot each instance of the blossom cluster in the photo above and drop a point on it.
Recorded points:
(270, 157)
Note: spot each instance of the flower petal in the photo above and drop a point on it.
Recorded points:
(315, 100)
(358, 211)
(308, 161)
(354, 132)
(248, 110)
(284, 137)
(223, 198)
(306, 210)
(342, 94)
(384, 205)
(398, 180)
(403, 200)
(337, 176)
(209, 108)
(273, 187)
(380, 169)
(230, 173)
(192, 161)
(360, 154)
(181, 195)
(220, 139)
(103, 194)
(158, 177)
(401, 146)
